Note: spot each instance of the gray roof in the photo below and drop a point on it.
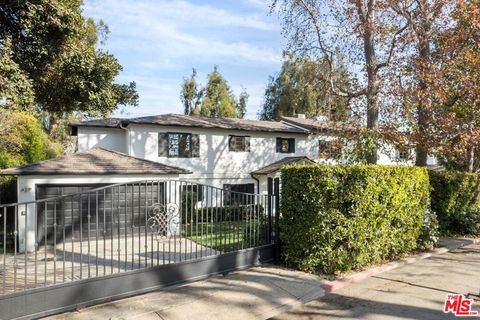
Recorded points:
(277, 165)
(94, 161)
(194, 121)
(313, 124)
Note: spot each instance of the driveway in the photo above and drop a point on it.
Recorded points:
(415, 291)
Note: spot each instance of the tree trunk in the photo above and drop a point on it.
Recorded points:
(470, 165)
(424, 105)
(372, 86)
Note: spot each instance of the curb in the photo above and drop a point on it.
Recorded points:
(449, 245)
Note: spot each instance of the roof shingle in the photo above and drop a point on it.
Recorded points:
(277, 165)
(195, 121)
(94, 161)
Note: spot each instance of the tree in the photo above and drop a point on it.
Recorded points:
(23, 140)
(300, 87)
(16, 89)
(216, 99)
(219, 100)
(242, 104)
(191, 94)
(56, 48)
(437, 76)
(362, 31)
(455, 82)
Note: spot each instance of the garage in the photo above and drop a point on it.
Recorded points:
(99, 193)
(112, 211)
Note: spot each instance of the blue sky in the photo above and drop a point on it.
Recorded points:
(159, 42)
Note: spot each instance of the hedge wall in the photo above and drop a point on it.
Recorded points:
(455, 198)
(338, 218)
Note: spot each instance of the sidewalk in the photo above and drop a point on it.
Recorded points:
(414, 291)
(257, 293)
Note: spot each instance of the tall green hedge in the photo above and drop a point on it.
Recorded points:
(338, 218)
(455, 199)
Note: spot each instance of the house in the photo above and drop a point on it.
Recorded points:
(231, 155)
(228, 153)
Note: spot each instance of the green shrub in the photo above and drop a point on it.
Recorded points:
(456, 201)
(430, 231)
(338, 218)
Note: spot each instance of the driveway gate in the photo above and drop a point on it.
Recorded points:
(75, 250)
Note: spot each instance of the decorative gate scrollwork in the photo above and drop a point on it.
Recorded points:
(162, 219)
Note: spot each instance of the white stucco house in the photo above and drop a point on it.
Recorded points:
(234, 154)
(229, 154)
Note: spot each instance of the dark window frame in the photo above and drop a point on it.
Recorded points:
(184, 153)
(403, 154)
(184, 139)
(235, 193)
(280, 144)
(233, 146)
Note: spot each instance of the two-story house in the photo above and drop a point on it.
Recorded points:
(238, 155)
(231, 154)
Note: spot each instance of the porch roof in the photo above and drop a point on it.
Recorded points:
(94, 161)
(277, 165)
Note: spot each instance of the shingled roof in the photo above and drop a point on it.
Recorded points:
(313, 124)
(277, 165)
(94, 161)
(194, 121)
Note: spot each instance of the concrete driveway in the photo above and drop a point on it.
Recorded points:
(415, 291)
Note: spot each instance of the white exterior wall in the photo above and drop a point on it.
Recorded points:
(108, 138)
(216, 164)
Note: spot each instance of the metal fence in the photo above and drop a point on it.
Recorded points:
(126, 227)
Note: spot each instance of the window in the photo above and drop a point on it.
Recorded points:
(235, 194)
(329, 149)
(178, 145)
(239, 143)
(196, 190)
(286, 145)
(402, 154)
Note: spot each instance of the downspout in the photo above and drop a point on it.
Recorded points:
(127, 139)
(258, 182)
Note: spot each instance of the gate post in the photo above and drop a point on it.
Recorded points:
(277, 219)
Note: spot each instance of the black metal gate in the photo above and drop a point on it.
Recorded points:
(97, 245)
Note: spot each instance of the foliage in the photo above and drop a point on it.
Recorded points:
(55, 47)
(191, 94)
(223, 213)
(365, 37)
(23, 140)
(455, 199)
(15, 86)
(301, 87)
(338, 218)
(216, 99)
(430, 232)
(8, 190)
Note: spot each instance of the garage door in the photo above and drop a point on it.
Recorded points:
(112, 210)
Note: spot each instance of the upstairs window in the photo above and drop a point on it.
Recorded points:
(402, 154)
(178, 145)
(239, 143)
(285, 145)
(329, 149)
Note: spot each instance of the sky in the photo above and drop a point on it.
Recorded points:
(159, 42)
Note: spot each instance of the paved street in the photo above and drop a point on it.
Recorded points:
(415, 291)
